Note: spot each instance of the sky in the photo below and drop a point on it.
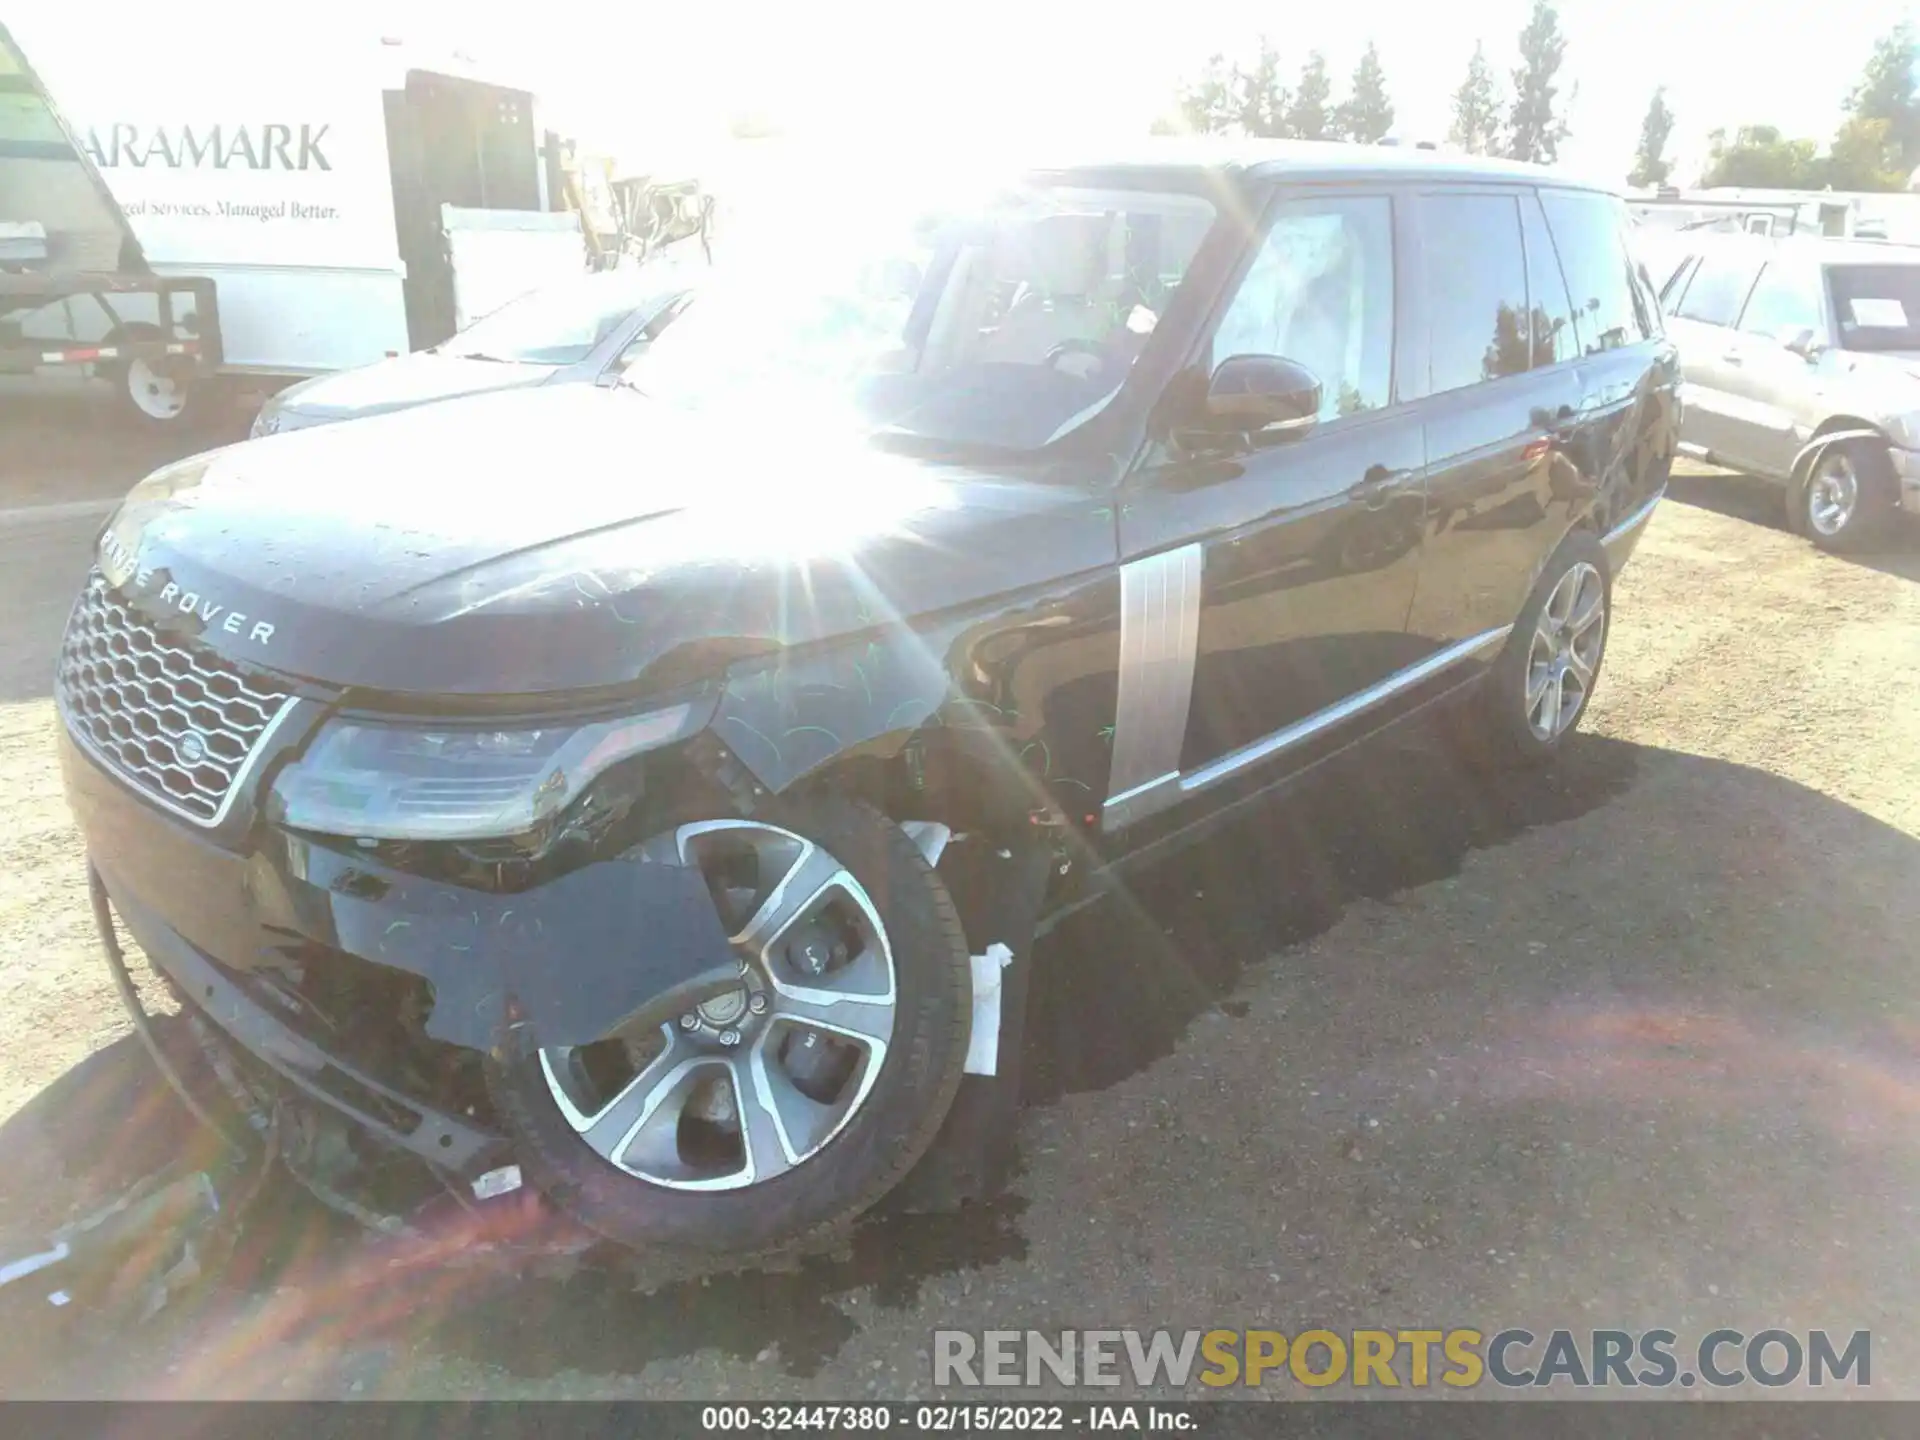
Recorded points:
(653, 83)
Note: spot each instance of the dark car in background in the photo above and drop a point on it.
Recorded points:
(648, 795)
(579, 331)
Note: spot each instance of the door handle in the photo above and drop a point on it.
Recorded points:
(1378, 487)
(1733, 357)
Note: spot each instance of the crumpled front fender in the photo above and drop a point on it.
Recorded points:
(785, 716)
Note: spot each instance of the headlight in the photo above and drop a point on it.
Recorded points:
(391, 781)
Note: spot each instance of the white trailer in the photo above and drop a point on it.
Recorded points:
(307, 174)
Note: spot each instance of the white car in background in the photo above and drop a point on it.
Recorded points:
(1800, 363)
(580, 331)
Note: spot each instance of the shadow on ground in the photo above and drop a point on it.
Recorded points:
(1759, 502)
(1115, 990)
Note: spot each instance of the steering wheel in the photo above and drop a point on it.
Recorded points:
(1095, 350)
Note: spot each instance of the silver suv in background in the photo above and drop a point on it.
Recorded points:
(1800, 363)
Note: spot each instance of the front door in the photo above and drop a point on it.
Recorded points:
(1702, 326)
(1768, 387)
(1267, 580)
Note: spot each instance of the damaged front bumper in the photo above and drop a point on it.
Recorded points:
(612, 947)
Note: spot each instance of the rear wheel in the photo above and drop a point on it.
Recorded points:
(773, 1114)
(1538, 689)
(1848, 499)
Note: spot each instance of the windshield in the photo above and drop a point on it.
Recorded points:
(561, 324)
(1878, 306)
(1005, 327)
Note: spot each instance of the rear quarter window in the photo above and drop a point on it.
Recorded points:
(1717, 290)
(1611, 308)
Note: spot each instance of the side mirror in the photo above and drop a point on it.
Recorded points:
(1802, 341)
(1255, 393)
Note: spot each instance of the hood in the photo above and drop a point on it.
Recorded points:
(571, 538)
(1882, 386)
(404, 381)
(1885, 362)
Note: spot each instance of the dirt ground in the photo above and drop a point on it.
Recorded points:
(1632, 1043)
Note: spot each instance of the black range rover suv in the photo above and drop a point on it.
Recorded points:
(646, 796)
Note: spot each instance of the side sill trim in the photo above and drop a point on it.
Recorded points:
(1144, 800)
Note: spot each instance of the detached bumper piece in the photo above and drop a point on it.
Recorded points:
(443, 1140)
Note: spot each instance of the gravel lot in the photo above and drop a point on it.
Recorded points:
(1632, 1043)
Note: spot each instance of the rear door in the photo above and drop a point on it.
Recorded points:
(1619, 456)
(1702, 325)
(1503, 398)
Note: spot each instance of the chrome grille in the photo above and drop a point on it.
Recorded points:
(172, 718)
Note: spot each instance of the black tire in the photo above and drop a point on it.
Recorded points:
(1876, 499)
(898, 1120)
(127, 378)
(1503, 735)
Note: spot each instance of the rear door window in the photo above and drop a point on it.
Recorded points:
(1476, 274)
(1589, 233)
(1554, 336)
(1718, 289)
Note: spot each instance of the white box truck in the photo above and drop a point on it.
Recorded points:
(308, 177)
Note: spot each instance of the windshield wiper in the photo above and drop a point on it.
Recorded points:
(482, 355)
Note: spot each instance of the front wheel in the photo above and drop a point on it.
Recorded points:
(1538, 689)
(770, 1116)
(1848, 498)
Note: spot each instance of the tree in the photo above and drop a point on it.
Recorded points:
(1207, 104)
(1534, 125)
(1260, 100)
(1865, 157)
(1308, 117)
(1248, 99)
(1887, 93)
(1761, 157)
(1650, 163)
(1367, 115)
(1476, 108)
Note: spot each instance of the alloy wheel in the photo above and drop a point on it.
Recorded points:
(1833, 494)
(754, 1082)
(1565, 652)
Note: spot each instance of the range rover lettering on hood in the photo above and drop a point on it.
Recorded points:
(123, 570)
